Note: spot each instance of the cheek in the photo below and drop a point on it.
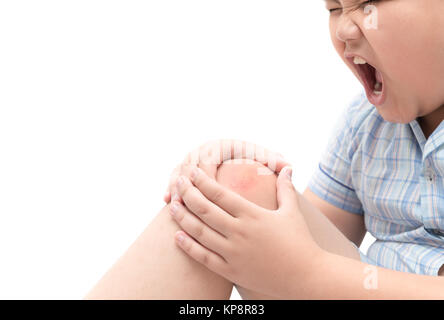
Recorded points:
(392, 43)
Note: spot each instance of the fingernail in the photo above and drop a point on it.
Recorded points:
(175, 197)
(288, 172)
(194, 174)
(166, 195)
(174, 208)
(179, 182)
(180, 238)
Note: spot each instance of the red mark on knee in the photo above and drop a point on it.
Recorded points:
(244, 180)
(242, 184)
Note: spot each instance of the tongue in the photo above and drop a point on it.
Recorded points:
(378, 76)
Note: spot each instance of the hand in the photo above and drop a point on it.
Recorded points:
(267, 251)
(212, 154)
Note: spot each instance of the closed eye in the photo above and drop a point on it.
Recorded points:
(362, 5)
(328, 2)
(334, 9)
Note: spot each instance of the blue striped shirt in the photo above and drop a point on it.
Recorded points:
(393, 175)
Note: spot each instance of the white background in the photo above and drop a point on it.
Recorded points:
(99, 100)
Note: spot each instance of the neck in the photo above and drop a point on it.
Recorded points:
(431, 121)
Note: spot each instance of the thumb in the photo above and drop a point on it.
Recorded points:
(286, 193)
(281, 162)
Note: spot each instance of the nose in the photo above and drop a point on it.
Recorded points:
(347, 29)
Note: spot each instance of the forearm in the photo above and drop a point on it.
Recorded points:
(337, 277)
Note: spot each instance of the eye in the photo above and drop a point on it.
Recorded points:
(365, 3)
(330, 3)
(335, 9)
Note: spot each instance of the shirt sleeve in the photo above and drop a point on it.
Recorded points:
(332, 179)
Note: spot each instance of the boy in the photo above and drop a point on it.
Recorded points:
(384, 164)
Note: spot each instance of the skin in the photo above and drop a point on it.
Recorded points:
(310, 253)
(273, 251)
(405, 53)
(154, 267)
(395, 44)
(409, 55)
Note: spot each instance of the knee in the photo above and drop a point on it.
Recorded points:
(245, 179)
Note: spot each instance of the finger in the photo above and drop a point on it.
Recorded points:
(272, 161)
(287, 196)
(231, 202)
(172, 189)
(210, 157)
(214, 153)
(281, 163)
(171, 184)
(208, 212)
(201, 254)
(197, 229)
(167, 197)
(243, 151)
(210, 169)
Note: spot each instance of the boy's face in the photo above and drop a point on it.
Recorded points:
(404, 41)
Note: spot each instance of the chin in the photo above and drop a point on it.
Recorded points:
(394, 117)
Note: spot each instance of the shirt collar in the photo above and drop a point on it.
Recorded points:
(435, 140)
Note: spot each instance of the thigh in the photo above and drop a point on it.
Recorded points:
(155, 268)
(243, 178)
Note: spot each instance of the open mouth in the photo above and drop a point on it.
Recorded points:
(372, 80)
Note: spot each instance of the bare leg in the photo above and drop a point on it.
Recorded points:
(155, 268)
(243, 179)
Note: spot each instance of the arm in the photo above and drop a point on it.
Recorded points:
(273, 251)
(337, 277)
(353, 227)
(350, 224)
(357, 280)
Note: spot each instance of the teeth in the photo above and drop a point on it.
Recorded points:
(377, 89)
(359, 60)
